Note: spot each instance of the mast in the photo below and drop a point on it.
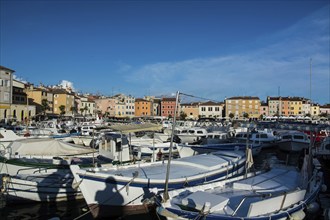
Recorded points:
(166, 197)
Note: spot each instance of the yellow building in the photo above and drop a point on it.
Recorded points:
(37, 95)
(295, 106)
(315, 110)
(240, 106)
(6, 81)
(191, 110)
(63, 98)
(22, 108)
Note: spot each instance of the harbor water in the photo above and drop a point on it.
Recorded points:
(79, 210)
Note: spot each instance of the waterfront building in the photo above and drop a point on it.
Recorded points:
(6, 80)
(325, 109)
(64, 98)
(106, 106)
(130, 106)
(264, 109)
(22, 107)
(315, 110)
(39, 96)
(87, 106)
(156, 105)
(241, 106)
(211, 109)
(124, 106)
(191, 110)
(288, 106)
(143, 107)
(273, 106)
(168, 107)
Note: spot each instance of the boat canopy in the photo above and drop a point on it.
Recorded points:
(131, 128)
(46, 147)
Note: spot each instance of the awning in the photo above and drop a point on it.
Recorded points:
(130, 128)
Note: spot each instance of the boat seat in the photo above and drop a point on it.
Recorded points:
(198, 199)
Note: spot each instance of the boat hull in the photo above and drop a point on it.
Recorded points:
(292, 146)
(114, 190)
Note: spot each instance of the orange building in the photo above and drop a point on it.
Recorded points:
(143, 107)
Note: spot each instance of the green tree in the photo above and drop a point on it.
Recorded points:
(73, 110)
(44, 106)
(62, 109)
(183, 115)
(245, 115)
(85, 109)
(231, 115)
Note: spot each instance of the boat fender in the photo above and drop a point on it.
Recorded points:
(5, 183)
(324, 188)
(154, 190)
(300, 215)
(313, 207)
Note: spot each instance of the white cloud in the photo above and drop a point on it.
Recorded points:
(67, 84)
(19, 79)
(282, 62)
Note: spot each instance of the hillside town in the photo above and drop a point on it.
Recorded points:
(24, 102)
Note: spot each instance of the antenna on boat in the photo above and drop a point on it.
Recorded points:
(166, 197)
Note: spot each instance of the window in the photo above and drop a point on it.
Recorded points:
(210, 109)
(6, 96)
(203, 109)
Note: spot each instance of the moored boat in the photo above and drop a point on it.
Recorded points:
(280, 193)
(127, 190)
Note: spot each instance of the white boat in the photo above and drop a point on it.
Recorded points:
(38, 169)
(40, 187)
(191, 150)
(265, 137)
(192, 135)
(7, 137)
(280, 193)
(323, 151)
(153, 150)
(126, 190)
(34, 155)
(84, 140)
(216, 137)
(293, 141)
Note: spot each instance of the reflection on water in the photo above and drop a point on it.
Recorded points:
(78, 209)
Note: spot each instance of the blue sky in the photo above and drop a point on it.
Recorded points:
(210, 49)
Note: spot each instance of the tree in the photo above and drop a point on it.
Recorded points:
(73, 109)
(82, 110)
(183, 115)
(85, 109)
(62, 109)
(245, 115)
(323, 114)
(44, 106)
(231, 115)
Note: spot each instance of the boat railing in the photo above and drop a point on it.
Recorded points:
(38, 170)
(264, 195)
(3, 149)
